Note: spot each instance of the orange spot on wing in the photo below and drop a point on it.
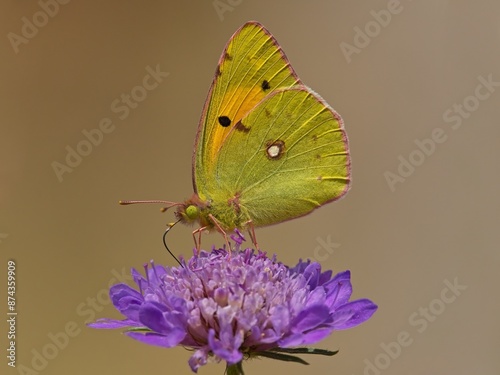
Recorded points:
(235, 105)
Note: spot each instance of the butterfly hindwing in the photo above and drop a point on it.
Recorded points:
(288, 156)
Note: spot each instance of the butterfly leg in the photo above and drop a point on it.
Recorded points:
(251, 232)
(222, 231)
(197, 243)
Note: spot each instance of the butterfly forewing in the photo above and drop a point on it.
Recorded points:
(251, 67)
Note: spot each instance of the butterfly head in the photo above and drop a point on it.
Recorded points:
(193, 210)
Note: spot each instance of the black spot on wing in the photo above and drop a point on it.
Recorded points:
(224, 121)
(265, 85)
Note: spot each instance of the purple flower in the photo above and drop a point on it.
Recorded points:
(228, 305)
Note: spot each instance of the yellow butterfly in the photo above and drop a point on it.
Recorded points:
(268, 148)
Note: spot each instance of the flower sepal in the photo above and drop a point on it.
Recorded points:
(138, 329)
(285, 354)
(236, 369)
(281, 354)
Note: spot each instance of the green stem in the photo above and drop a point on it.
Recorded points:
(236, 369)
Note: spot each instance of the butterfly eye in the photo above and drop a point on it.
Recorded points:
(224, 121)
(192, 212)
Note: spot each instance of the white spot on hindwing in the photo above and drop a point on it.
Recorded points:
(275, 149)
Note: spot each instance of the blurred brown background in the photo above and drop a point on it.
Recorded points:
(418, 85)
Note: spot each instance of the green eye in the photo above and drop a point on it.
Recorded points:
(192, 212)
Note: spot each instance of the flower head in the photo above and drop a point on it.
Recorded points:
(234, 304)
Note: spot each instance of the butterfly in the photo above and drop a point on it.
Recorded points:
(268, 148)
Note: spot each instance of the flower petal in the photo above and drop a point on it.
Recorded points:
(224, 350)
(119, 291)
(126, 300)
(154, 316)
(199, 358)
(311, 274)
(353, 313)
(112, 324)
(339, 289)
(310, 318)
(316, 297)
(174, 337)
(280, 319)
(299, 339)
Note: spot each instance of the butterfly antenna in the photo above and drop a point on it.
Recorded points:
(163, 209)
(170, 226)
